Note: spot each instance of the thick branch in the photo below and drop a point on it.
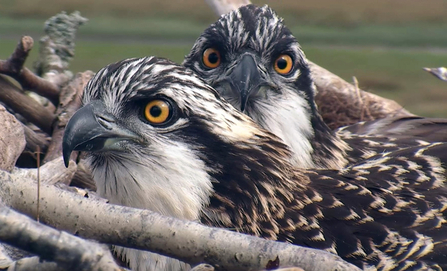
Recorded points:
(51, 173)
(70, 101)
(12, 139)
(35, 141)
(221, 7)
(57, 47)
(13, 67)
(5, 260)
(25, 106)
(187, 241)
(341, 103)
(33, 264)
(52, 245)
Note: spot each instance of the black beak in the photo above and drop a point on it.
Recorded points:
(91, 129)
(245, 78)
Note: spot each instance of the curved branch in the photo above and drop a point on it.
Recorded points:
(13, 67)
(341, 103)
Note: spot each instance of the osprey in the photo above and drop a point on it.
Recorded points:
(158, 137)
(252, 59)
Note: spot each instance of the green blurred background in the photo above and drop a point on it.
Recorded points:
(384, 43)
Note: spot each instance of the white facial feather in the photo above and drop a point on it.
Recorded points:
(287, 116)
(169, 180)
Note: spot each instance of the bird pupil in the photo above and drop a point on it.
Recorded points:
(155, 111)
(282, 63)
(213, 58)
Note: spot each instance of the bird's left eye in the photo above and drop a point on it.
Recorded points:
(211, 58)
(283, 64)
(158, 111)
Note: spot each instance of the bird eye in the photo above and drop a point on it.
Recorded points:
(158, 111)
(211, 58)
(283, 64)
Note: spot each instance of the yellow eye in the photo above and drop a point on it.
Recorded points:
(211, 58)
(283, 64)
(157, 111)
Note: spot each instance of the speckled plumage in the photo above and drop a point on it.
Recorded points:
(213, 164)
(284, 104)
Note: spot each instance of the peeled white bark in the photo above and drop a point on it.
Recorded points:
(188, 241)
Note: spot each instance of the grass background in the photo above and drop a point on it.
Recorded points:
(383, 43)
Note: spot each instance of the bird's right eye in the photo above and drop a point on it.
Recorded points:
(211, 58)
(158, 112)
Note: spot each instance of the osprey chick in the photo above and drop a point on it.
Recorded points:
(157, 137)
(252, 59)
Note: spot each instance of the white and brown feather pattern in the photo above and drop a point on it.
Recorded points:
(388, 212)
(286, 105)
(377, 213)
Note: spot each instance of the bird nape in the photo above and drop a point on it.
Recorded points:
(157, 137)
(253, 60)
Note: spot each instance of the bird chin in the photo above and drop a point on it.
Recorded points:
(116, 144)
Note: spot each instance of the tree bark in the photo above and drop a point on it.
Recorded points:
(68, 251)
(14, 67)
(188, 241)
(26, 106)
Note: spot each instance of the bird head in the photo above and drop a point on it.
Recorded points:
(157, 137)
(252, 59)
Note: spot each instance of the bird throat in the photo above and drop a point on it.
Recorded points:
(174, 188)
(312, 143)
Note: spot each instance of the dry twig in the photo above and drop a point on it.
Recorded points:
(13, 67)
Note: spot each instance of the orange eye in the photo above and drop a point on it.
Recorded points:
(283, 64)
(157, 111)
(211, 58)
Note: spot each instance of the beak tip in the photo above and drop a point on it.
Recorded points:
(66, 155)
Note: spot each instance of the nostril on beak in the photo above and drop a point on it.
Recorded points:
(106, 121)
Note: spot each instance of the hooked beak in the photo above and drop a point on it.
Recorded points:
(246, 79)
(93, 129)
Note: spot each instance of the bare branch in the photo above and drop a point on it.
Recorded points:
(51, 173)
(221, 7)
(57, 47)
(5, 260)
(338, 107)
(440, 73)
(203, 267)
(33, 264)
(70, 101)
(66, 250)
(188, 241)
(35, 140)
(26, 106)
(14, 67)
(12, 140)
